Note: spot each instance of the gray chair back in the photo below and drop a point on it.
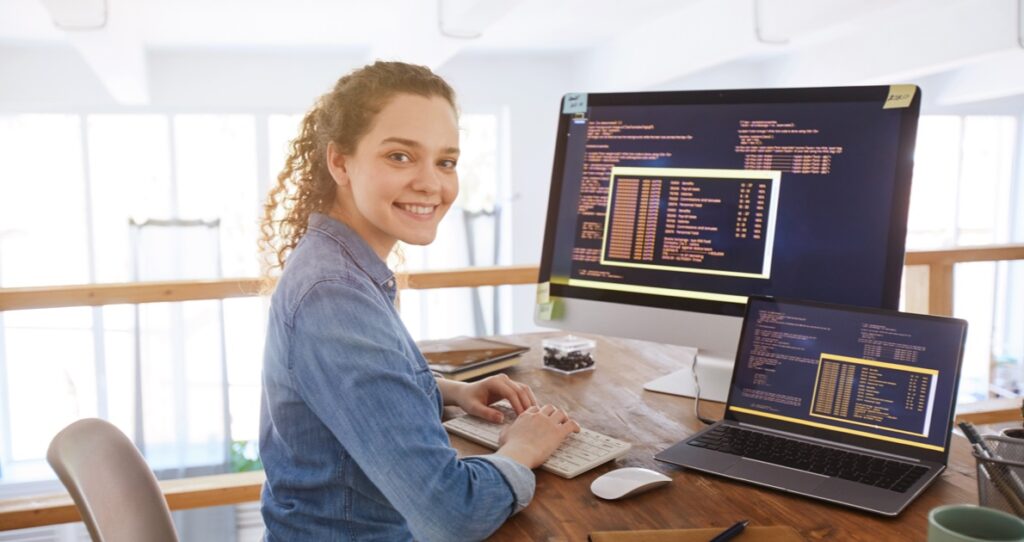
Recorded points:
(112, 486)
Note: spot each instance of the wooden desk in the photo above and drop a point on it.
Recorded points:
(611, 400)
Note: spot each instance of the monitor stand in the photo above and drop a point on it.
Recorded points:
(714, 372)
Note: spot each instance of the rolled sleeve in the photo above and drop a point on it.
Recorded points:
(520, 479)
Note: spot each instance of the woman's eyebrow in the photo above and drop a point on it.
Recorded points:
(402, 141)
(415, 144)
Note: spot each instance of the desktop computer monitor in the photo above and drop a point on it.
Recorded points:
(668, 209)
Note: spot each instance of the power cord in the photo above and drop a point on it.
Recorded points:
(696, 398)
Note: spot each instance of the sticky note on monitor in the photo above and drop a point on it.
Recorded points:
(574, 102)
(543, 292)
(900, 96)
(552, 310)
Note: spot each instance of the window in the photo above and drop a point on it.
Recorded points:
(48, 354)
(81, 179)
(961, 197)
(78, 181)
(130, 177)
(216, 178)
(44, 193)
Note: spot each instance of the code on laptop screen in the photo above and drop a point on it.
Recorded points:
(881, 375)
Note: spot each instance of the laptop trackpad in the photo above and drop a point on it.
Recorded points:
(775, 476)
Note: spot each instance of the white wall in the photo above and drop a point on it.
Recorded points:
(250, 80)
(50, 78)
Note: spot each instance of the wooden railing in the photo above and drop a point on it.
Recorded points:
(48, 297)
(181, 494)
(929, 278)
(932, 291)
(929, 289)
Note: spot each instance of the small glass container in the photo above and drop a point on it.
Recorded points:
(568, 354)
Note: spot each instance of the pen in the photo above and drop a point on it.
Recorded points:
(731, 531)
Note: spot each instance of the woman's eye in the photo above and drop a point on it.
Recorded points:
(399, 157)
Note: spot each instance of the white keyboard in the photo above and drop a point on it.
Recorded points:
(579, 452)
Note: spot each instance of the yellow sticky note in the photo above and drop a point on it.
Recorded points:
(900, 96)
(543, 293)
(545, 310)
(552, 310)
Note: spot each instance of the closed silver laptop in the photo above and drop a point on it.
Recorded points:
(844, 404)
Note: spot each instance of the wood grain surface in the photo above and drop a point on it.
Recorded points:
(611, 400)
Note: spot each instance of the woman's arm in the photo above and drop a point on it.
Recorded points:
(449, 389)
(355, 374)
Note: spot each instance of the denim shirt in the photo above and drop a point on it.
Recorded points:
(350, 423)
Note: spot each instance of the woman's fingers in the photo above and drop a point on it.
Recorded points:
(557, 415)
(521, 393)
(525, 394)
(508, 391)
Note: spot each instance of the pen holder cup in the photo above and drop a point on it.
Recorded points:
(1001, 476)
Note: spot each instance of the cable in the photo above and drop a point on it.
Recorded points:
(696, 398)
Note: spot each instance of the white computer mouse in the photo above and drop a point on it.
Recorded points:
(626, 482)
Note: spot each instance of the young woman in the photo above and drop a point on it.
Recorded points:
(350, 430)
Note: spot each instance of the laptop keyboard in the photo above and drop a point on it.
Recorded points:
(797, 454)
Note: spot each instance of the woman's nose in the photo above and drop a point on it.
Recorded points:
(427, 179)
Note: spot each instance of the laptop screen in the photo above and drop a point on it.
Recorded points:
(877, 379)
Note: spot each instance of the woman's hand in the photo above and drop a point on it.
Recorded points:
(535, 435)
(475, 397)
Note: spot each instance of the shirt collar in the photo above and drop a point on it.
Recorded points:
(360, 252)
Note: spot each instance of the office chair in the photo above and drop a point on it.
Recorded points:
(112, 486)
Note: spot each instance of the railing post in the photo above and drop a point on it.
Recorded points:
(940, 288)
(915, 294)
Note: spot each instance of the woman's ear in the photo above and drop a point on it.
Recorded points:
(336, 165)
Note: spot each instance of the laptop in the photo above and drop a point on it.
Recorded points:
(849, 405)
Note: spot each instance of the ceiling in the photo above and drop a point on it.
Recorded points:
(536, 25)
(972, 49)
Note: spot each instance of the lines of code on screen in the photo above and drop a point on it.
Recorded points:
(882, 376)
(722, 201)
(886, 396)
(691, 220)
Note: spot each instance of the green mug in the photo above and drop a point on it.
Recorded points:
(971, 523)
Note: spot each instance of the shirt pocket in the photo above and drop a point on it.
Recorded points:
(426, 381)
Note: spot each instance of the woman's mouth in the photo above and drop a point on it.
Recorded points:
(418, 210)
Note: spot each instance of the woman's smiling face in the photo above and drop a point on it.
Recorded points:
(401, 179)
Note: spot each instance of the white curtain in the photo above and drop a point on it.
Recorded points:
(181, 417)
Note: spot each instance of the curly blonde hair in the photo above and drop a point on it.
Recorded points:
(342, 116)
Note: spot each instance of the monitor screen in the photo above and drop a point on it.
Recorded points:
(859, 376)
(668, 209)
